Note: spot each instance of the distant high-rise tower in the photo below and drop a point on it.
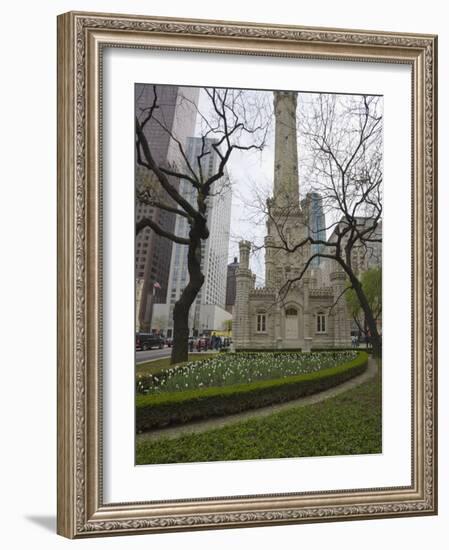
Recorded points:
(230, 285)
(312, 206)
(175, 116)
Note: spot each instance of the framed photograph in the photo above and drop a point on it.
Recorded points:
(246, 274)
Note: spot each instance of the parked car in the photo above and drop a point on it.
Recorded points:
(145, 341)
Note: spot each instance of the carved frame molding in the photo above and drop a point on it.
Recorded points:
(81, 38)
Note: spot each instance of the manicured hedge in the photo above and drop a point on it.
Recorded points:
(158, 411)
(269, 350)
(288, 350)
(324, 350)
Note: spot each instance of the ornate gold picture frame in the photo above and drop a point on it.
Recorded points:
(82, 41)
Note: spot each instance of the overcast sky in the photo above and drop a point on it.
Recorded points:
(251, 174)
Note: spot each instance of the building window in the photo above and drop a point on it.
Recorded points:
(261, 322)
(321, 322)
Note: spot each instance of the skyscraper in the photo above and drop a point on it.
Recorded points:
(312, 205)
(175, 117)
(230, 285)
(214, 249)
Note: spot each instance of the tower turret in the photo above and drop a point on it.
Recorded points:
(269, 261)
(244, 248)
(244, 283)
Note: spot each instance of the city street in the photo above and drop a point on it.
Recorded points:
(142, 356)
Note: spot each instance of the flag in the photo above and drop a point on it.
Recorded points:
(156, 285)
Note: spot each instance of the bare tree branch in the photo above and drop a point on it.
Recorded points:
(230, 125)
(148, 222)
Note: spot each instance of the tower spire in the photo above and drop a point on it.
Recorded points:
(286, 186)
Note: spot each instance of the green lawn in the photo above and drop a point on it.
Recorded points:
(347, 424)
(153, 367)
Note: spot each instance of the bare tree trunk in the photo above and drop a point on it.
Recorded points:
(376, 339)
(179, 353)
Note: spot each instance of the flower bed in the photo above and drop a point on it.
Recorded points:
(242, 368)
(161, 408)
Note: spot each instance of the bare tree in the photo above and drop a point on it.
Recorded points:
(232, 120)
(345, 138)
